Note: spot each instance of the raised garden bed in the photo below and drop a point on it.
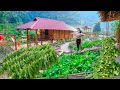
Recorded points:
(84, 75)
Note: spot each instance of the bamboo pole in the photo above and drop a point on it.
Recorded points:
(52, 35)
(36, 37)
(41, 36)
(59, 34)
(27, 37)
(40, 33)
(64, 34)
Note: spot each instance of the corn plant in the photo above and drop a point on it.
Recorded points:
(26, 62)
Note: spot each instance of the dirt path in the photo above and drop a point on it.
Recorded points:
(65, 47)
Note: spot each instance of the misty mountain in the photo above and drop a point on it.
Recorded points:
(73, 18)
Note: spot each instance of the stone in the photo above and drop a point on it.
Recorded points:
(118, 59)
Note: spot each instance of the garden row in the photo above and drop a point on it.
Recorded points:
(85, 44)
(71, 64)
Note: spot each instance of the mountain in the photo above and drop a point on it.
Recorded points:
(73, 18)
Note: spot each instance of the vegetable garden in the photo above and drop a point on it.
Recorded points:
(27, 63)
(44, 61)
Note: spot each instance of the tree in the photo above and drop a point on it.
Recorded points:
(97, 28)
(115, 26)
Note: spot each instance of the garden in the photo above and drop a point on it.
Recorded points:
(42, 61)
(98, 58)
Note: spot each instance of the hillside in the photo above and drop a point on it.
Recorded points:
(10, 19)
(70, 17)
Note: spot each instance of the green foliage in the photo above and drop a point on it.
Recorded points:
(106, 66)
(26, 62)
(69, 64)
(10, 29)
(6, 49)
(115, 25)
(97, 28)
(85, 44)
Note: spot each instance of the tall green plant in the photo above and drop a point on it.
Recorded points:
(26, 63)
(115, 25)
(106, 66)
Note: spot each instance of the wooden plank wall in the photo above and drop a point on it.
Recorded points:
(61, 34)
(66, 34)
(58, 34)
(51, 34)
(42, 33)
(71, 35)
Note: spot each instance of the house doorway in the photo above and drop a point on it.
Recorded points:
(46, 34)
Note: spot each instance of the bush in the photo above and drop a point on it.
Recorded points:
(106, 66)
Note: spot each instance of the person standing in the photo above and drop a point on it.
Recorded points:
(79, 35)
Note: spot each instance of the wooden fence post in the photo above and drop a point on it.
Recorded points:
(15, 42)
(27, 37)
(36, 38)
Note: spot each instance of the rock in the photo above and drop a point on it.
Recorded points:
(41, 71)
(118, 59)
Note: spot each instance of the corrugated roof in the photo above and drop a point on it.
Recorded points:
(43, 23)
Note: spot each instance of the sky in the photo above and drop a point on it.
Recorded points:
(94, 17)
(90, 14)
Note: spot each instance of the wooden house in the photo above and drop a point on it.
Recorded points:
(49, 29)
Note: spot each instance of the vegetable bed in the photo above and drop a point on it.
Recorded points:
(70, 64)
(85, 44)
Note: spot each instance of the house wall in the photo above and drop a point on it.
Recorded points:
(58, 34)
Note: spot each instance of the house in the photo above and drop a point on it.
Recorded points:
(87, 29)
(49, 29)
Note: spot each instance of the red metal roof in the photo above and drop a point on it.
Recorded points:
(43, 23)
